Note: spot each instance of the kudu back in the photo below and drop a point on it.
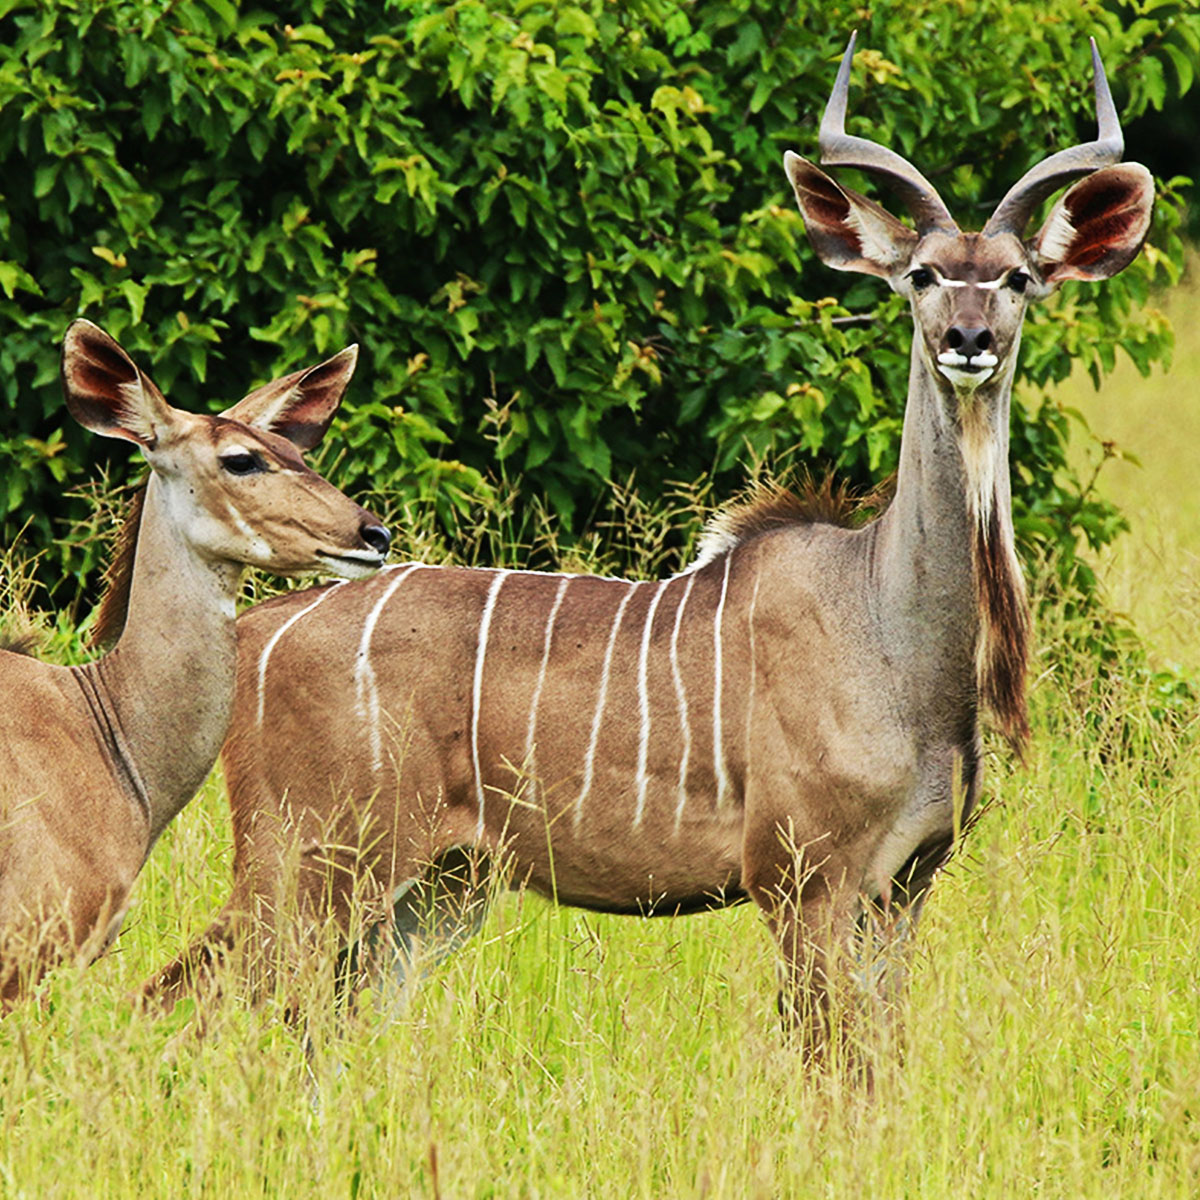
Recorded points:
(96, 759)
(793, 719)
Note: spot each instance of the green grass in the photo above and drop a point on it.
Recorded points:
(1051, 1024)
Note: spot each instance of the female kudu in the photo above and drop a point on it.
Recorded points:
(96, 759)
(793, 719)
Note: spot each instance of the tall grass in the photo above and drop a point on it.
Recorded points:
(1051, 1038)
(1051, 1028)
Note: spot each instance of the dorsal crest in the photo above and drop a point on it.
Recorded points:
(770, 506)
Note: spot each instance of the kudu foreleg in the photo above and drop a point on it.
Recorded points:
(198, 969)
(811, 909)
(243, 947)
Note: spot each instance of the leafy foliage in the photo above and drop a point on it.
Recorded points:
(572, 212)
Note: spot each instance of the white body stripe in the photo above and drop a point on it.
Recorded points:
(274, 638)
(365, 686)
(589, 762)
(681, 700)
(644, 705)
(477, 689)
(718, 732)
(530, 764)
(747, 757)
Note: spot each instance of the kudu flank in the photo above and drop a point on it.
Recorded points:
(793, 719)
(96, 759)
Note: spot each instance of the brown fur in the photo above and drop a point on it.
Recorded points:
(114, 604)
(1004, 611)
(820, 757)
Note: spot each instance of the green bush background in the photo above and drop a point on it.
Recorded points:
(574, 214)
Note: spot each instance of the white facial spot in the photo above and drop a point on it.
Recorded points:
(257, 548)
(990, 285)
(951, 358)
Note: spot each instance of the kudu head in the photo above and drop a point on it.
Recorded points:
(969, 291)
(234, 485)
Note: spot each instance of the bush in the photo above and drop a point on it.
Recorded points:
(572, 213)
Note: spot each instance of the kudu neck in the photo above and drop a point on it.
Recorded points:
(952, 479)
(167, 685)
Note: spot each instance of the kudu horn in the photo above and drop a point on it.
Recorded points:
(1013, 212)
(840, 149)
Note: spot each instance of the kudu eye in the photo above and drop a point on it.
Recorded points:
(920, 278)
(1018, 281)
(242, 462)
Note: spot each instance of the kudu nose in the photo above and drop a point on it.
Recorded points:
(377, 537)
(969, 342)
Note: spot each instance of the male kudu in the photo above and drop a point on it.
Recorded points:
(793, 719)
(96, 759)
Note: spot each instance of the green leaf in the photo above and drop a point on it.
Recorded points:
(13, 277)
(135, 296)
(1184, 67)
(608, 175)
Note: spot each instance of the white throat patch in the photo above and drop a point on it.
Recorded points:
(958, 369)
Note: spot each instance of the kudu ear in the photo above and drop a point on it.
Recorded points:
(1096, 228)
(848, 231)
(105, 391)
(300, 406)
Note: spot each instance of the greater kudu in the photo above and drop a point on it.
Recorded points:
(96, 759)
(793, 719)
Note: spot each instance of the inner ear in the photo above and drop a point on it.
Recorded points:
(1098, 226)
(848, 231)
(300, 406)
(106, 392)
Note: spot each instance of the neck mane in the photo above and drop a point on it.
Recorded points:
(1002, 652)
(113, 609)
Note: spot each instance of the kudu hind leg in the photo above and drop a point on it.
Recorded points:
(258, 930)
(433, 914)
